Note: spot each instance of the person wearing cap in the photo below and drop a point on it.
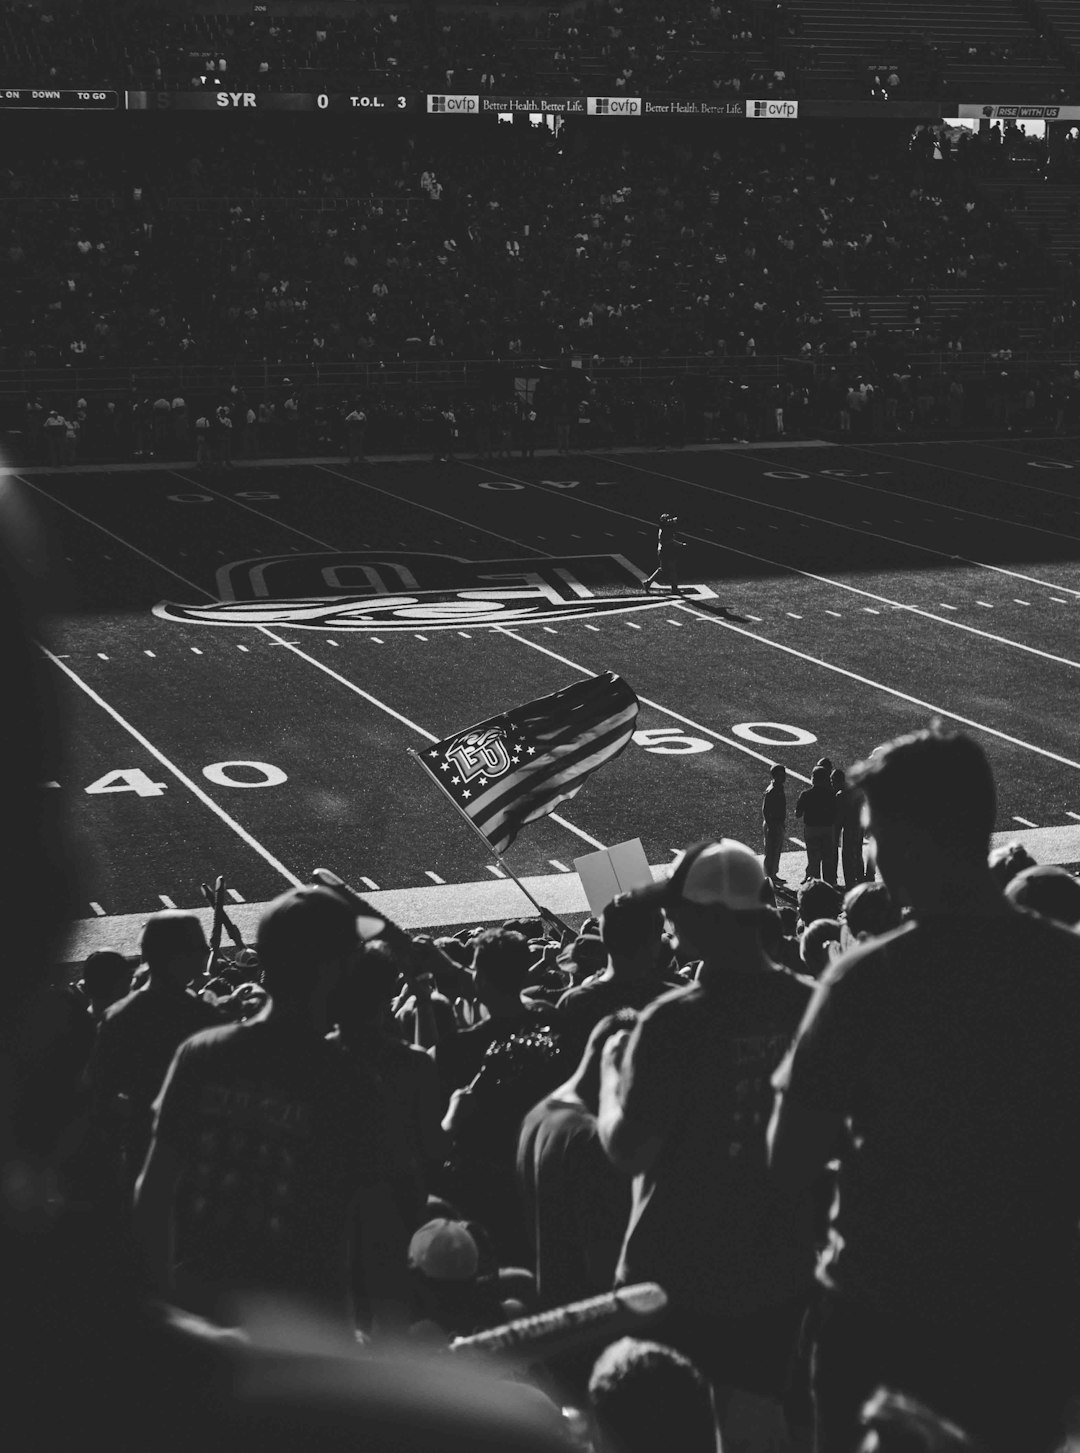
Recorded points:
(668, 545)
(636, 956)
(684, 1101)
(1048, 890)
(946, 1049)
(774, 821)
(139, 1034)
(271, 1147)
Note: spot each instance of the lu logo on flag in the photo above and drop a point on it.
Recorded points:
(517, 767)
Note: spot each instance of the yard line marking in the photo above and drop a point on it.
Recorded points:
(369, 883)
(556, 864)
(835, 613)
(870, 611)
(797, 840)
(827, 580)
(168, 902)
(1074, 815)
(570, 827)
(433, 876)
(97, 909)
(235, 896)
(1021, 602)
(150, 653)
(655, 705)
(181, 776)
(494, 871)
(834, 524)
(889, 691)
(1025, 821)
(416, 505)
(985, 604)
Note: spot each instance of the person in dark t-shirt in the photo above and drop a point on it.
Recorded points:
(139, 1034)
(683, 1107)
(268, 1140)
(773, 822)
(501, 964)
(817, 808)
(632, 934)
(576, 1203)
(948, 1048)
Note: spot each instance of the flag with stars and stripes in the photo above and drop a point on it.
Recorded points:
(511, 769)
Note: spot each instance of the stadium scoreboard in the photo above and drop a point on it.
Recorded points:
(224, 100)
(26, 99)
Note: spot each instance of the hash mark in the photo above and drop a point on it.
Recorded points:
(835, 613)
(99, 912)
(556, 864)
(497, 872)
(945, 605)
(150, 653)
(433, 876)
(166, 900)
(369, 884)
(234, 895)
(1021, 602)
(1026, 821)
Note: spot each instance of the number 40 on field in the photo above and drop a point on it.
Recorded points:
(134, 779)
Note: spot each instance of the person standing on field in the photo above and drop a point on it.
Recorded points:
(773, 822)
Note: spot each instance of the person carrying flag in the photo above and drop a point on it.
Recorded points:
(667, 543)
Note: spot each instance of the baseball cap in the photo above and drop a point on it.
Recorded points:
(305, 923)
(444, 1251)
(1048, 890)
(725, 872)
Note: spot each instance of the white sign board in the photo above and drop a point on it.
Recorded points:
(611, 871)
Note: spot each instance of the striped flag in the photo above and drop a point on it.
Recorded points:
(511, 769)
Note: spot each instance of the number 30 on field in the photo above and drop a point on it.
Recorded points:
(134, 779)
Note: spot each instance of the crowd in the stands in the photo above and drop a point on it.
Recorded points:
(412, 252)
(715, 48)
(256, 1198)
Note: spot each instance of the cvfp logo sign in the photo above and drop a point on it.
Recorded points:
(614, 106)
(453, 105)
(772, 110)
(369, 591)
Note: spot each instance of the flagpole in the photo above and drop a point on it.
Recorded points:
(544, 912)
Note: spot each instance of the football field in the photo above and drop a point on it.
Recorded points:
(245, 662)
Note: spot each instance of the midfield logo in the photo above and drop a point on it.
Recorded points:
(380, 591)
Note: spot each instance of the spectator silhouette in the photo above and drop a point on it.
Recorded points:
(948, 1048)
